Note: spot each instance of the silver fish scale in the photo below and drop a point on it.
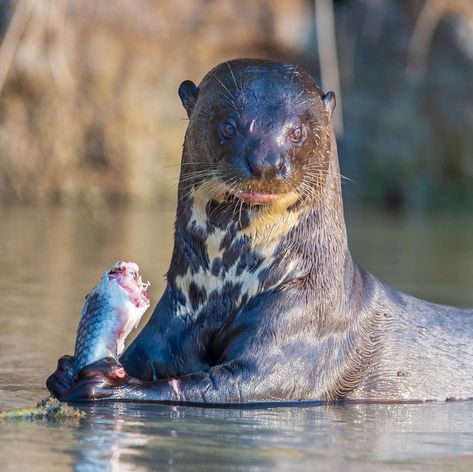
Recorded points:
(94, 327)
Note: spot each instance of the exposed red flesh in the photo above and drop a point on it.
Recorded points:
(126, 275)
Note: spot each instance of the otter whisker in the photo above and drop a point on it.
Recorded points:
(204, 172)
(213, 187)
(231, 98)
(235, 206)
(192, 184)
(233, 76)
(230, 186)
(208, 165)
(199, 176)
(306, 190)
(170, 166)
(302, 103)
(336, 174)
(199, 166)
(202, 114)
(239, 215)
(293, 74)
(297, 96)
(241, 81)
(195, 155)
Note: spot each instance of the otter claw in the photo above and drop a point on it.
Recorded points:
(61, 380)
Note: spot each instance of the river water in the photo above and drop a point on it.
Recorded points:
(50, 257)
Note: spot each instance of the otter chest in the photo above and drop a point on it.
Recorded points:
(233, 268)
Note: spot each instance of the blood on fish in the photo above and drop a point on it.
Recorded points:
(120, 372)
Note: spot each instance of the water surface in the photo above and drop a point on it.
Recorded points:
(52, 256)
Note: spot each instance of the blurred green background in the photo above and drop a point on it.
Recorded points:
(89, 110)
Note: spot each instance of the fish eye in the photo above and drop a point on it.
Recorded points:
(297, 135)
(227, 130)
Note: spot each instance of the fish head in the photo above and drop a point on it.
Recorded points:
(127, 277)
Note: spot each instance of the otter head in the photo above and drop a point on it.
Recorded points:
(259, 133)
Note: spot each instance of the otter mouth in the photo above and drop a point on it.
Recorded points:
(221, 191)
(256, 198)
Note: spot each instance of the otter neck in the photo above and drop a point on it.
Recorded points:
(217, 244)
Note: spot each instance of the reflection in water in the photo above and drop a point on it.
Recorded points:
(52, 257)
(102, 443)
(373, 437)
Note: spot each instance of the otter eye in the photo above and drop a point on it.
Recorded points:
(227, 130)
(296, 135)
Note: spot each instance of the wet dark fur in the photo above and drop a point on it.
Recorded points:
(267, 303)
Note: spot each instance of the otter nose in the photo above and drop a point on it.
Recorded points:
(264, 166)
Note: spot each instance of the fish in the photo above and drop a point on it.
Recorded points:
(111, 310)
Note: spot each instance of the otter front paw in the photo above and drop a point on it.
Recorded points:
(100, 380)
(61, 380)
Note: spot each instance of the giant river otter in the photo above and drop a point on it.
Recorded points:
(263, 300)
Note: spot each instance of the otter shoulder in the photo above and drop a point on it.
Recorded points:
(427, 353)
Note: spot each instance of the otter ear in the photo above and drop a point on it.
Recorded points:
(329, 103)
(188, 92)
